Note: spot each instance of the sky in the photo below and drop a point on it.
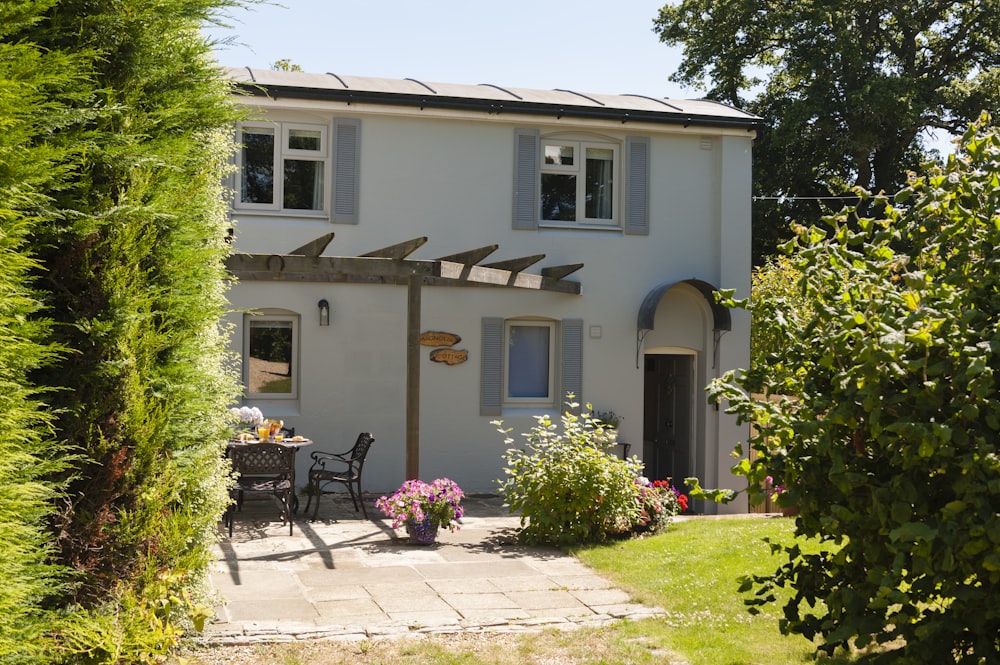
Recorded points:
(601, 46)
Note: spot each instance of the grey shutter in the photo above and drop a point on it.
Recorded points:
(637, 185)
(527, 202)
(491, 378)
(346, 169)
(572, 360)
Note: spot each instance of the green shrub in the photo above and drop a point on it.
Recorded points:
(566, 485)
(889, 440)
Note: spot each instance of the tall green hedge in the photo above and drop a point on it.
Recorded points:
(127, 265)
(30, 460)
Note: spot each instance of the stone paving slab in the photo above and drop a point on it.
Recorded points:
(343, 577)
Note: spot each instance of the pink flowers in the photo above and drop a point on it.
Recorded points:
(771, 489)
(438, 501)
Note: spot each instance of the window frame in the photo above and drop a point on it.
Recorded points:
(579, 170)
(262, 317)
(282, 132)
(548, 400)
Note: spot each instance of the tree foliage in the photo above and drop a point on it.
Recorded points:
(113, 154)
(889, 440)
(848, 90)
(775, 285)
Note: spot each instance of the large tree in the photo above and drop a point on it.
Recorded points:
(889, 438)
(848, 89)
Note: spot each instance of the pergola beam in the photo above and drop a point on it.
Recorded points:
(516, 265)
(398, 251)
(314, 248)
(558, 272)
(471, 257)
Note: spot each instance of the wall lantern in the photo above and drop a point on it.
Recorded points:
(324, 312)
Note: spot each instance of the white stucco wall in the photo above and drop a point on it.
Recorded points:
(450, 179)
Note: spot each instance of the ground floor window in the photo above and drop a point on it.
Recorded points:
(270, 356)
(530, 362)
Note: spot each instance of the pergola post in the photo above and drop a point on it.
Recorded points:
(413, 376)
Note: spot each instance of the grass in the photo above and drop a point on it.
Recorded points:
(691, 571)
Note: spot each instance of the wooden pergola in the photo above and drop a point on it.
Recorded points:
(390, 265)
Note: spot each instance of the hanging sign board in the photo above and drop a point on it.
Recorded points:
(449, 356)
(435, 338)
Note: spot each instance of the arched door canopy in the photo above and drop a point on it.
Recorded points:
(721, 319)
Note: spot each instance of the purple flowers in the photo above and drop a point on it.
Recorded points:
(439, 501)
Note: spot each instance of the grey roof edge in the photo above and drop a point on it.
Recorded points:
(427, 97)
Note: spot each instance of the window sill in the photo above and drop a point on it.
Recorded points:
(521, 410)
(318, 215)
(577, 226)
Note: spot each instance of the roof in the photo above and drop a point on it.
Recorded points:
(490, 98)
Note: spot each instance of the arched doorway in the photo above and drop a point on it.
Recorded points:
(678, 332)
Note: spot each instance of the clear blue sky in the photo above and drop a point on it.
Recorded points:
(605, 46)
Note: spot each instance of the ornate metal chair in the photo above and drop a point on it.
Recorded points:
(339, 468)
(263, 468)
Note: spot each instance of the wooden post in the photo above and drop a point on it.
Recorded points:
(413, 376)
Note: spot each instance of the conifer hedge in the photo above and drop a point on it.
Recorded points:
(29, 457)
(114, 375)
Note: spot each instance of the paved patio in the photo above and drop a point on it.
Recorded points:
(345, 577)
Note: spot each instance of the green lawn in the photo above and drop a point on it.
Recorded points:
(692, 571)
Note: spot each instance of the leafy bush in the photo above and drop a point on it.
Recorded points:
(565, 484)
(889, 442)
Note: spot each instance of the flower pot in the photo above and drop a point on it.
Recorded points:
(422, 533)
(790, 511)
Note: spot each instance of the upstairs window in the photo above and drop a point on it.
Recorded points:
(283, 167)
(578, 182)
(573, 183)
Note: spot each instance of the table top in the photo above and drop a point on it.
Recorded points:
(292, 442)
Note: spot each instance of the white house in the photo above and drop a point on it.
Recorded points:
(493, 248)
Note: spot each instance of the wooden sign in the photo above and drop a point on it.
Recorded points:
(449, 356)
(434, 338)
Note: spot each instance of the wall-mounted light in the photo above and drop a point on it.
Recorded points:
(324, 312)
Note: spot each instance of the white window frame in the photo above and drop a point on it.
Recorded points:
(578, 168)
(282, 132)
(248, 322)
(547, 400)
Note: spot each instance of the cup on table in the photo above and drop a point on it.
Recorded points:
(262, 432)
(279, 437)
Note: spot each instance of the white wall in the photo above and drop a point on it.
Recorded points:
(451, 180)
